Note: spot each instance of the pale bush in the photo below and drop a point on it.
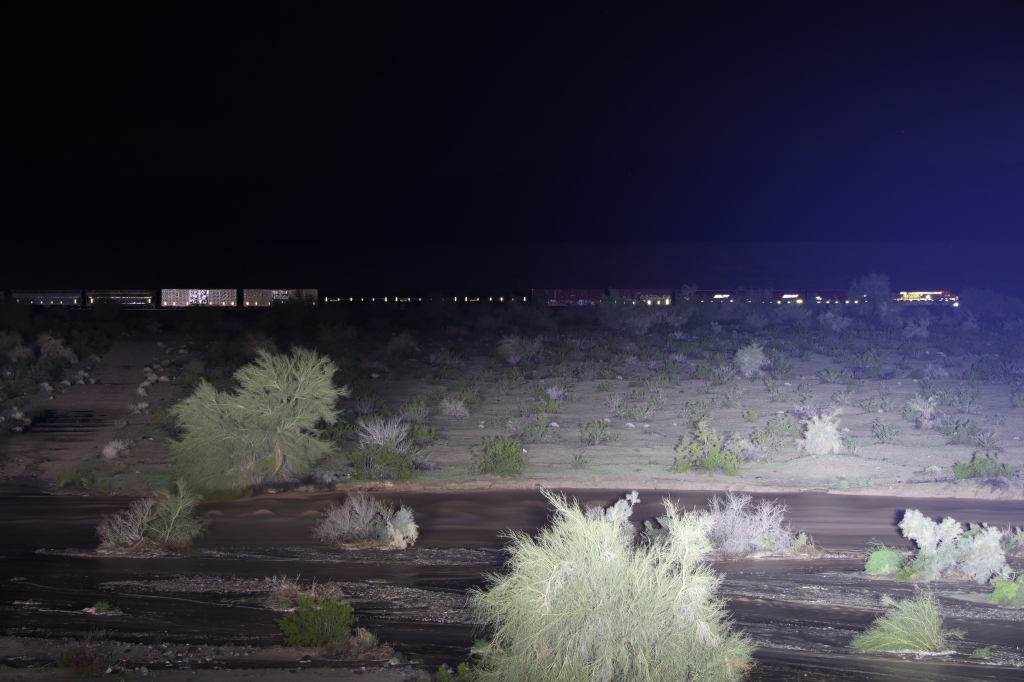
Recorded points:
(351, 520)
(556, 392)
(416, 412)
(125, 528)
(821, 435)
(586, 602)
(739, 528)
(401, 343)
(174, 522)
(513, 349)
(50, 347)
(751, 359)
(921, 410)
(945, 549)
(388, 432)
(138, 408)
(113, 450)
(363, 518)
(141, 392)
(453, 406)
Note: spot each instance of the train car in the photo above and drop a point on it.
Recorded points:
(715, 296)
(49, 298)
(568, 297)
(198, 298)
(941, 297)
(263, 298)
(649, 296)
(128, 298)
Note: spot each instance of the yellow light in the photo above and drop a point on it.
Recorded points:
(799, 300)
(648, 302)
(501, 299)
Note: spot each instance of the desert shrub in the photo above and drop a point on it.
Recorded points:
(585, 601)
(514, 349)
(707, 452)
(401, 344)
(606, 386)
(113, 450)
(351, 520)
(75, 478)
(750, 359)
(594, 433)
(125, 528)
(579, 461)
(961, 399)
(380, 463)
(318, 622)
(1017, 399)
(501, 455)
(885, 432)
(526, 427)
(835, 376)
(981, 466)
(775, 392)
(174, 522)
(962, 432)
(946, 550)
(883, 561)
(83, 660)
(821, 435)
(270, 426)
(1007, 592)
(454, 406)
(422, 434)
(416, 412)
(739, 528)
(386, 432)
(921, 410)
(911, 625)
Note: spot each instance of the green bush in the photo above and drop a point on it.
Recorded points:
(1008, 592)
(502, 455)
(882, 561)
(382, 463)
(707, 452)
(886, 433)
(318, 622)
(962, 432)
(912, 625)
(981, 466)
(586, 601)
(594, 433)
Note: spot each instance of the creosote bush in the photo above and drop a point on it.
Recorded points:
(883, 561)
(502, 455)
(912, 625)
(751, 359)
(318, 622)
(707, 452)
(586, 601)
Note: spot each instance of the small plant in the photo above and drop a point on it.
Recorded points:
(750, 416)
(981, 653)
(82, 659)
(318, 622)
(751, 359)
(103, 607)
(381, 463)
(835, 376)
(821, 435)
(883, 561)
(502, 455)
(775, 392)
(911, 625)
(580, 461)
(113, 450)
(885, 432)
(594, 433)
(962, 432)
(708, 452)
(1017, 399)
(416, 412)
(75, 478)
(981, 466)
(921, 410)
(604, 387)
(530, 428)
(454, 406)
(1008, 592)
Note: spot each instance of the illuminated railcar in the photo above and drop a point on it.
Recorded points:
(128, 298)
(567, 297)
(70, 298)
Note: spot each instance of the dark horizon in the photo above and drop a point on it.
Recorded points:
(429, 148)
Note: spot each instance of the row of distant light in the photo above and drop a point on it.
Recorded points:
(399, 299)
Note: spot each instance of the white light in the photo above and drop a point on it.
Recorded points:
(791, 296)
(721, 296)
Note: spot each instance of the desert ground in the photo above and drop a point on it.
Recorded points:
(594, 403)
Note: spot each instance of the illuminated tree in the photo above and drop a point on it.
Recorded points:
(269, 426)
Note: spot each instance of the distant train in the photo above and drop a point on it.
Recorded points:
(262, 298)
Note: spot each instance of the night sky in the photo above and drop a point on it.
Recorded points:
(414, 147)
